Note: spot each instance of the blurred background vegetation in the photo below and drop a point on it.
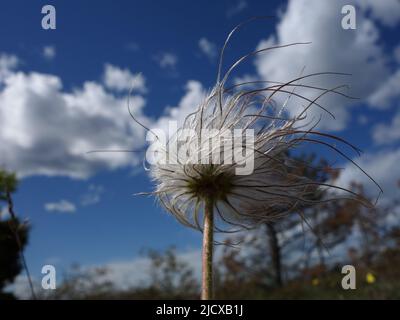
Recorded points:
(13, 236)
(299, 257)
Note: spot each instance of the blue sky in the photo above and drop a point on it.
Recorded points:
(82, 209)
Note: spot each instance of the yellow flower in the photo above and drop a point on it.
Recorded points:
(315, 282)
(370, 278)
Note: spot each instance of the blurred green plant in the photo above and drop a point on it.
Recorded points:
(13, 236)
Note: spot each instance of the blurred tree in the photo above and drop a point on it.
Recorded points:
(169, 278)
(13, 236)
(319, 171)
(82, 283)
(10, 262)
(287, 255)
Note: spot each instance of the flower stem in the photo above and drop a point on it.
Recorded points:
(207, 255)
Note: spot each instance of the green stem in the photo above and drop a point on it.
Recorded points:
(207, 255)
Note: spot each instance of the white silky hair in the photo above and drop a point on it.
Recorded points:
(273, 188)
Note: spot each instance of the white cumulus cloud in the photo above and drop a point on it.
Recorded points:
(236, 8)
(192, 98)
(60, 206)
(49, 52)
(387, 133)
(45, 130)
(332, 48)
(119, 79)
(208, 48)
(387, 11)
(387, 93)
(93, 195)
(167, 60)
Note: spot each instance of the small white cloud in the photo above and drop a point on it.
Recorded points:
(236, 8)
(208, 48)
(386, 93)
(133, 46)
(7, 64)
(49, 52)
(387, 133)
(60, 206)
(167, 60)
(118, 79)
(93, 195)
